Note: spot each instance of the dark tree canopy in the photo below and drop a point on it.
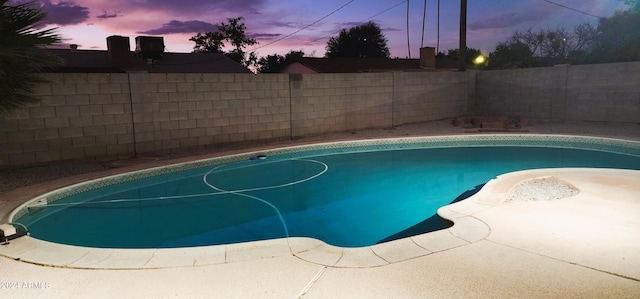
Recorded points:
(454, 54)
(364, 40)
(232, 33)
(276, 63)
(511, 55)
(22, 54)
(544, 47)
(617, 38)
(271, 63)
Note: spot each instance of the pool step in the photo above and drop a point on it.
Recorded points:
(9, 232)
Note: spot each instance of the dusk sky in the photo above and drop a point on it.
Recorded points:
(307, 25)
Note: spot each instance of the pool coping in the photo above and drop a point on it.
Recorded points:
(467, 229)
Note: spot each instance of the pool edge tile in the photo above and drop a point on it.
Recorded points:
(470, 229)
(359, 258)
(256, 250)
(438, 241)
(189, 256)
(399, 250)
(323, 254)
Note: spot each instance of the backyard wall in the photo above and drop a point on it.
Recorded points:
(115, 116)
(597, 92)
(420, 97)
(322, 103)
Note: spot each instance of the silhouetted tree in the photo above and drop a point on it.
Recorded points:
(545, 47)
(454, 54)
(270, 64)
(21, 53)
(617, 38)
(232, 33)
(365, 40)
(511, 55)
(276, 63)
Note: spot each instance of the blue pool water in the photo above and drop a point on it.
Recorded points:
(348, 199)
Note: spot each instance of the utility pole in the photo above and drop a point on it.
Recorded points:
(462, 50)
(408, 43)
(438, 41)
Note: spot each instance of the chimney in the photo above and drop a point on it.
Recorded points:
(119, 52)
(428, 58)
(150, 47)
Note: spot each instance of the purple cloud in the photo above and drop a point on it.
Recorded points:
(64, 12)
(514, 19)
(390, 29)
(283, 24)
(175, 26)
(107, 15)
(263, 35)
(243, 6)
(347, 25)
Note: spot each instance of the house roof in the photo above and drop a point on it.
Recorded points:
(358, 65)
(369, 64)
(97, 61)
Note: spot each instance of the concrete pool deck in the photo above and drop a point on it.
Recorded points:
(585, 245)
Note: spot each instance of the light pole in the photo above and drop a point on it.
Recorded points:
(438, 41)
(463, 36)
(408, 43)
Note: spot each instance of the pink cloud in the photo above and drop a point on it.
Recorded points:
(59, 13)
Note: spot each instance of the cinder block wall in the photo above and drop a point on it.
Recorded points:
(80, 115)
(172, 111)
(604, 92)
(322, 103)
(114, 116)
(518, 92)
(598, 92)
(420, 97)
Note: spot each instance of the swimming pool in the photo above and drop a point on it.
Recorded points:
(348, 194)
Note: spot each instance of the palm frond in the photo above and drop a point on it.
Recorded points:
(22, 53)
